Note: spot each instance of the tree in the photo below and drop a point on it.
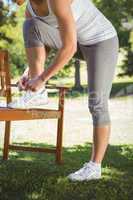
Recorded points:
(7, 21)
(128, 62)
(11, 35)
(77, 85)
(120, 12)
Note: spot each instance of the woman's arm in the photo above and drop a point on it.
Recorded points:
(67, 28)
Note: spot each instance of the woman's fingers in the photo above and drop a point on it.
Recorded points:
(34, 84)
(23, 80)
(22, 83)
(28, 85)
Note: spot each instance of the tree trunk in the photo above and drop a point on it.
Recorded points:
(77, 85)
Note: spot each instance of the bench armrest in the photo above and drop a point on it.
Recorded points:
(48, 86)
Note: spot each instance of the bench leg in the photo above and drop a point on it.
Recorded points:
(6, 140)
(60, 128)
(59, 142)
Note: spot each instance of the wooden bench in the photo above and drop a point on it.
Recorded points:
(9, 114)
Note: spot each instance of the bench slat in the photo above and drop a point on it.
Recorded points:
(9, 114)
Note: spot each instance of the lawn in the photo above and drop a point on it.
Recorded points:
(33, 176)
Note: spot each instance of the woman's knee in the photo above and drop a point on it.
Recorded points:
(30, 24)
(98, 107)
(31, 33)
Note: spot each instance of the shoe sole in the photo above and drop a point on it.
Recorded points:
(29, 107)
(74, 180)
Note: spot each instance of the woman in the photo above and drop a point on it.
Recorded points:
(62, 24)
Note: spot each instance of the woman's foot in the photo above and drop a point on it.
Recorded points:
(31, 99)
(89, 171)
(3, 104)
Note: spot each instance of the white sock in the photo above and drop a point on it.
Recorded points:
(95, 165)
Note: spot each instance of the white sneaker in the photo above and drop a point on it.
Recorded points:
(3, 104)
(86, 173)
(31, 99)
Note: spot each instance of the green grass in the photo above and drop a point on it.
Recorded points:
(33, 176)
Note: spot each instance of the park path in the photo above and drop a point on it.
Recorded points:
(77, 124)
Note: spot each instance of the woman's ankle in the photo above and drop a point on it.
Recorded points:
(95, 163)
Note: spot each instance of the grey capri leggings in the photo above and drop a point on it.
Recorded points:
(101, 59)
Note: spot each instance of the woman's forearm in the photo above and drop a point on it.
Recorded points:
(62, 57)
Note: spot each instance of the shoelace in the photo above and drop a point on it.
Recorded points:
(26, 96)
(29, 95)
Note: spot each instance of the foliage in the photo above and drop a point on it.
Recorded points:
(7, 23)
(128, 62)
(120, 12)
(11, 36)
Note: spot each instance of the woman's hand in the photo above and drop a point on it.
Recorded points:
(24, 78)
(22, 83)
(34, 84)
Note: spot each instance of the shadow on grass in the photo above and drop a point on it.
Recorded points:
(116, 87)
(27, 176)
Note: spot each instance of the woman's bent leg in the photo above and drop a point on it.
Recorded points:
(35, 49)
(36, 57)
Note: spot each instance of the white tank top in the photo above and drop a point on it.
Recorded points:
(91, 25)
